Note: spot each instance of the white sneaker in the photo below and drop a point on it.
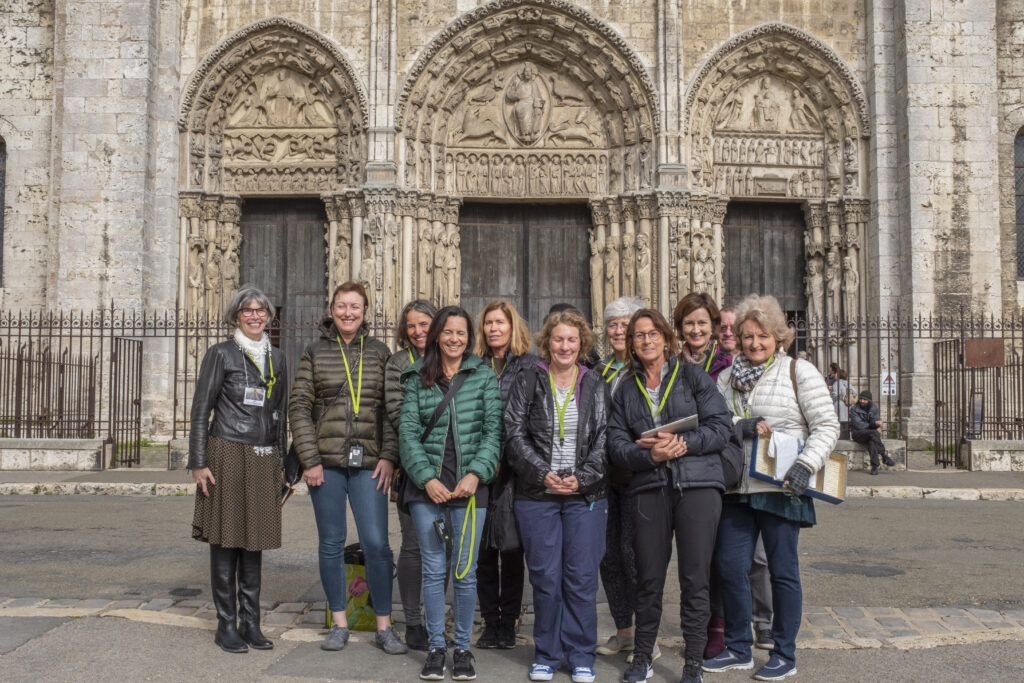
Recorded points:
(541, 672)
(614, 645)
(582, 674)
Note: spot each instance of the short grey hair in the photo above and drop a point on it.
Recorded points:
(247, 293)
(623, 307)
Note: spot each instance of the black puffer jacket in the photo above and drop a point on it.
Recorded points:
(530, 432)
(321, 377)
(220, 389)
(692, 393)
(513, 366)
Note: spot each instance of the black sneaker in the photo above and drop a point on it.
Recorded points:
(434, 668)
(639, 670)
(763, 640)
(462, 665)
(889, 462)
(507, 636)
(692, 672)
(874, 469)
(489, 638)
(416, 637)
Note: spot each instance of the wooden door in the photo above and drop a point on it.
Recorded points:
(764, 254)
(283, 254)
(533, 256)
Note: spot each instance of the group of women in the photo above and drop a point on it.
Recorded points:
(498, 458)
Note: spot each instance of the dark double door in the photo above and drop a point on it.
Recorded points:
(283, 254)
(530, 255)
(764, 254)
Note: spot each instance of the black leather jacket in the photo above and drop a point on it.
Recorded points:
(223, 376)
(530, 432)
(693, 393)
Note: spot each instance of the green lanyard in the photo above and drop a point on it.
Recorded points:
(462, 539)
(356, 395)
(560, 409)
(711, 355)
(664, 396)
(270, 362)
(411, 359)
(608, 380)
(503, 369)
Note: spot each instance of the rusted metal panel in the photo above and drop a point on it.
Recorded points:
(984, 353)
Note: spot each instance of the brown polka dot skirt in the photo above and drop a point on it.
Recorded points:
(243, 509)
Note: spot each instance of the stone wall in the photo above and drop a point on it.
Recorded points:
(1010, 54)
(26, 98)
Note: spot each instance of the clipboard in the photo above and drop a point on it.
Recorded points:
(827, 484)
(687, 424)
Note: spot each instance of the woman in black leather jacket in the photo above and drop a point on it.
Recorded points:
(555, 421)
(677, 483)
(236, 463)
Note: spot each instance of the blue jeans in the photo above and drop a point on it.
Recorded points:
(737, 538)
(433, 556)
(563, 542)
(370, 509)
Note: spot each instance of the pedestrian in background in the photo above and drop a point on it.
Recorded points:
(347, 445)
(450, 439)
(555, 429)
(236, 447)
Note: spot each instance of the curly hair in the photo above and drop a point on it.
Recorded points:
(572, 318)
(766, 312)
(518, 344)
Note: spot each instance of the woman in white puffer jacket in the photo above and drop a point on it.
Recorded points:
(759, 389)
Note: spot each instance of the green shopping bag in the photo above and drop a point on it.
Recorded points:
(358, 603)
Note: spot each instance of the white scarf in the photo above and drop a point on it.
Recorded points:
(257, 350)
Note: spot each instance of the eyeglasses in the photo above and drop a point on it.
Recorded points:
(254, 312)
(653, 335)
(618, 327)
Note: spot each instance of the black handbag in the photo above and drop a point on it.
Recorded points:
(501, 532)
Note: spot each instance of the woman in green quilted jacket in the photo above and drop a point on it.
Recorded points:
(449, 452)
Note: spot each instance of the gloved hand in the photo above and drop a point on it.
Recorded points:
(797, 478)
(748, 426)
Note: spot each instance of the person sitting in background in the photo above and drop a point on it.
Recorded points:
(866, 428)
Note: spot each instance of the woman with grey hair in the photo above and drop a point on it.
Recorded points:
(235, 459)
(618, 568)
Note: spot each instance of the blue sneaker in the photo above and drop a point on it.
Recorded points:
(541, 672)
(776, 669)
(726, 661)
(582, 674)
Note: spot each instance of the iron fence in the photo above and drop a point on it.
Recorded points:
(104, 374)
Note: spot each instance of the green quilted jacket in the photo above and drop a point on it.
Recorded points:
(477, 424)
(321, 376)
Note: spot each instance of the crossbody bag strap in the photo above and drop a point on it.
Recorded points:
(449, 395)
(792, 378)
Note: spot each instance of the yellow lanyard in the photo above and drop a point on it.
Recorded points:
(503, 369)
(462, 539)
(270, 362)
(617, 370)
(664, 396)
(411, 359)
(560, 409)
(357, 394)
(711, 355)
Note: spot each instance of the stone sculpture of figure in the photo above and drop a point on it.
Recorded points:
(731, 111)
(683, 260)
(766, 109)
(410, 164)
(611, 268)
(646, 167)
(368, 264)
(596, 280)
(424, 256)
(440, 268)
(801, 117)
(528, 99)
(231, 273)
(814, 286)
(703, 267)
(213, 283)
(851, 286)
(196, 282)
(341, 269)
(834, 164)
(451, 266)
(833, 280)
(628, 260)
(850, 154)
(643, 266)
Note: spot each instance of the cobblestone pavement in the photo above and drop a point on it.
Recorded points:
(823, 628)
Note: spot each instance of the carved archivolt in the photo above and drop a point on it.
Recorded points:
(274, 109)
(774, 112)
(523, 99)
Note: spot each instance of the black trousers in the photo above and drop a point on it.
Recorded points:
(873, 440)
(692, 514)
(618, 567)
(499, 585)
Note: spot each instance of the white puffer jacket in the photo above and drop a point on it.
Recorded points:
(772, 398)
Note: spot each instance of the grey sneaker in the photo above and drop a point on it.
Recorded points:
(389, 641)
(614, 645)
(654, 654)
(336, 639)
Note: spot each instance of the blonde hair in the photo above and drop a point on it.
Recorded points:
(518, 344)
(766, 312)
(572, 319)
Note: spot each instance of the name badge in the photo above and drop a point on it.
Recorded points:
(254, 396)
(355, 456)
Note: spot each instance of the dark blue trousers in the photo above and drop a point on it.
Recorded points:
(737, 538)
(563, 543)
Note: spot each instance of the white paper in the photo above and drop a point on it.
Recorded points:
(784, 449)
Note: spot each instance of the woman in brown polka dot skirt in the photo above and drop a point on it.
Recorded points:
(235, 448)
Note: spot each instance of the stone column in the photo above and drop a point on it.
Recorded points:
(190, 254)
(599, 217)
(627, 247)
(212, 281)
(611, 251)
(454, 263)
(230, 240)
(407, 273)
(339, 268)
(357, 210)
(440, 285)
(716, 208)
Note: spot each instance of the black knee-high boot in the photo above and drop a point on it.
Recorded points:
(223, 569)
(250, 566)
